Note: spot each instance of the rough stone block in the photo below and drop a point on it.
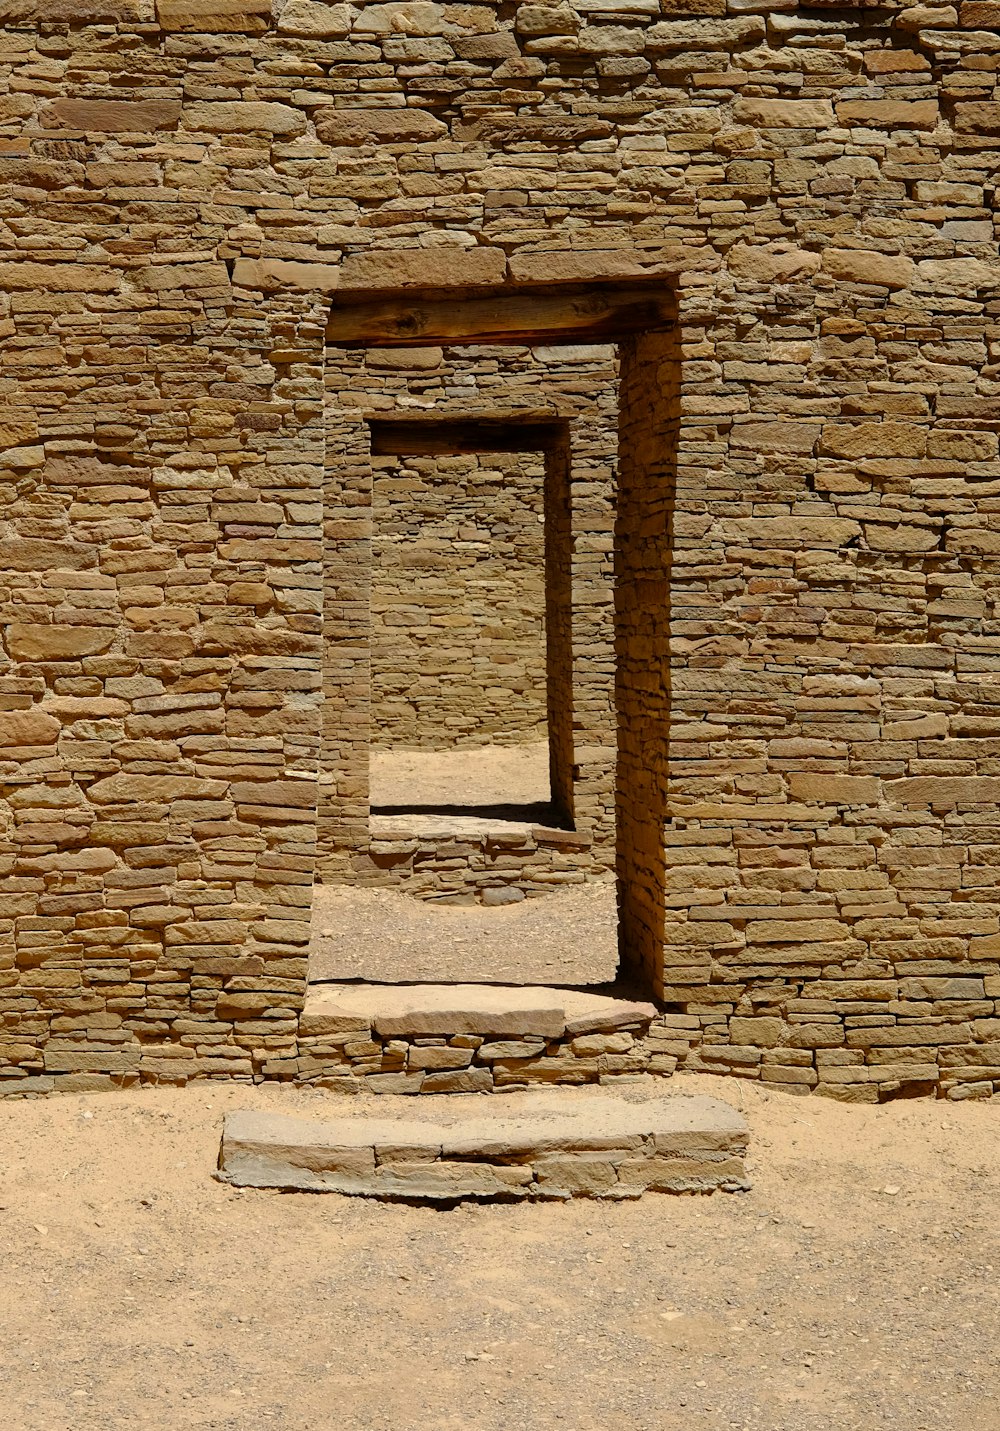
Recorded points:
(26, 275)
(312, 19)
(111, 116)
(569, 1147)
(421, 1011)
(785, 113)
(219, 17)
(439, 1059)
(82, 12)
(243, 117)
(835, 789)
(29, 642)
(387, 269)
(509, 1049)
(889, 113)
(271, 275)
(392, 124)
(466, 1080)
(32, 727)
(866, 266)
(772, 263)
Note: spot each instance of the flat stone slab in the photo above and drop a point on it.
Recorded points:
(435, 1010)
(553, 1146)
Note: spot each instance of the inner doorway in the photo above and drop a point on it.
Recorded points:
(471, 609)
(607, 760)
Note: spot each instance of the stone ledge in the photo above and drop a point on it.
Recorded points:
(594, 1146)
(467, 1038)
(423, 1010)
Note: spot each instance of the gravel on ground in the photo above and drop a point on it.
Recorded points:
(387, 936)
(854, 1287)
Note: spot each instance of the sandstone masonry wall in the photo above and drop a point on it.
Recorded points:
(458, 601)
(189, 187)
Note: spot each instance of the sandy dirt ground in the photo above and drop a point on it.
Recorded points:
(854, 1287)
(467, 790)
(386, 936)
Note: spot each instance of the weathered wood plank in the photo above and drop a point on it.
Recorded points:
(572, 316)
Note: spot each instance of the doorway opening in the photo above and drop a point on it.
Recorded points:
(486, 379)
(471, 606)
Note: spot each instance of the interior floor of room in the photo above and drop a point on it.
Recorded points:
(468, 790)
(385, 936)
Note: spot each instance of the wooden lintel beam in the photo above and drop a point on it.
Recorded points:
(596, 314)
(423, 437)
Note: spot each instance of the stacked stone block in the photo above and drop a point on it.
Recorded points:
(458, 601)
(591, 1147)
(494, 867)
(466, 1039)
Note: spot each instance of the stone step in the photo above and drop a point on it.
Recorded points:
(488, 1010)
(465, 1038)
(541, 1146)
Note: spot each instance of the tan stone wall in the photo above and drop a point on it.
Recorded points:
(190, 186)
(458, 601)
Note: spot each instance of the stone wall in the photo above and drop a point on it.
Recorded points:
(458, 601)
(491, 867)
(191, 185)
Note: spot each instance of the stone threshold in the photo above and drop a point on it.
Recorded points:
(541, 1147)
(466, 1038)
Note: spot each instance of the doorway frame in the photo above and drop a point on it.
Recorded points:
(640, 318)
(435, 434)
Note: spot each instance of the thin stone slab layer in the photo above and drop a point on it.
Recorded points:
(595, 1146)
(425, 1010)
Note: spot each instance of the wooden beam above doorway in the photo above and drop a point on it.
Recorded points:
(597, 314)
